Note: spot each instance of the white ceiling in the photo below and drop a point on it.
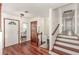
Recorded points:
(36, 9)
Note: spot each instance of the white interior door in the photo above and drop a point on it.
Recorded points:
(11, 32)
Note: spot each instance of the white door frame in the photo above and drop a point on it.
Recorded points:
(18, 30)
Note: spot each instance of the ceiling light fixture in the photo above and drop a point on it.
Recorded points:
(26, 11)
(22, 14)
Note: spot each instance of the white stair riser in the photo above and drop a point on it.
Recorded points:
(68, 45)
(68, 40)
(65, 50)
(74, 37)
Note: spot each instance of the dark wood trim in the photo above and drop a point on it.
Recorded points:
(3, 37)
(18, 30)
(48, 44)
(4, 34)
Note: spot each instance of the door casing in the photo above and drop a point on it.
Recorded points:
(5, 29)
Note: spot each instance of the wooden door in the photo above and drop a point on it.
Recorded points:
(34, 39)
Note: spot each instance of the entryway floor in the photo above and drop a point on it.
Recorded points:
(24, 49)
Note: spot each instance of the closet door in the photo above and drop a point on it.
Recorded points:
(11, 32)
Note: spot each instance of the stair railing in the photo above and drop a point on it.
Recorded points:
(55, 29)
(54, 33)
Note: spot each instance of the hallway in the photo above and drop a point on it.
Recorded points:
(52, 28)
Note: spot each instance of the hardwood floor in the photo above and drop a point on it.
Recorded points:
(24, 49)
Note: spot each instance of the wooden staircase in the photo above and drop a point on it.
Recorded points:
(66, 45)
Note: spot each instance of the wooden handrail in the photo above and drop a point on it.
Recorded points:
(54, 33)
(55, 29)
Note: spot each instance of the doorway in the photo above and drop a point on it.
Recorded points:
(11, 32)
(68, 22)
(24, 32)
(34, 38)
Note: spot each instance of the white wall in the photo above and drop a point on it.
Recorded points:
(46, 27)
(77, 19)
(53, 22)
(77, 6)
